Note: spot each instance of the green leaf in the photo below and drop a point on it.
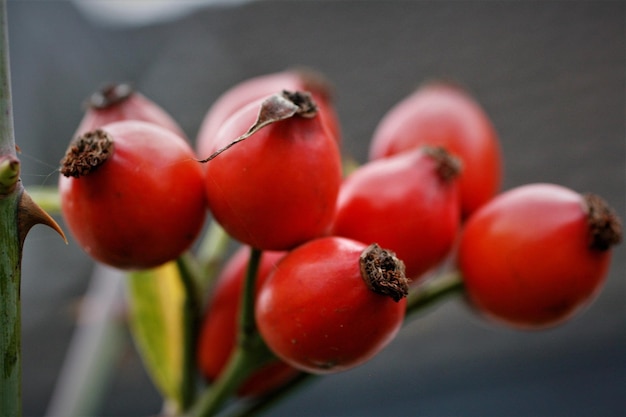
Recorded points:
(156, 299)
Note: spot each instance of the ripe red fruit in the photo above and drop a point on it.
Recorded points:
(441, 114)
(262, 86)
(332, 304)
(277, 188)
(132, 194)
(118, 102)
(408, 203)
(535, 255)
(218, 332)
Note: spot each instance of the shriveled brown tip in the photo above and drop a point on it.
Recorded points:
(383, 272)
(605, 226)
(277, 107)
(306, 106)
(449, 166)
(86, 153)
(109, 96)
(316, 82)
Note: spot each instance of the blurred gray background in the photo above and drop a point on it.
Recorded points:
(550, 74)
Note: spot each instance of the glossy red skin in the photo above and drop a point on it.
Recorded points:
(277, 188)
(256, 88)
(218, 332)
(445, 115)
(316, 313)
(144, 206)
(525, 258)
(402, 204)
(135, 107)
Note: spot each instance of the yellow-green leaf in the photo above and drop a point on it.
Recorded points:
(156, 300)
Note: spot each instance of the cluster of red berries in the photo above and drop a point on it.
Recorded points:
(340, 251)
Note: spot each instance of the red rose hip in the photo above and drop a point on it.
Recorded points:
(278, 187)
(132, 194)
(332, 304)
(441, 114)
(537, 254)
(119, 102)
(408, 203)
(260, 87)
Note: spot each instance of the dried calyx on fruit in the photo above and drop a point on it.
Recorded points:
(132, 194)
(383, 272)
(110, 95)
(448, 166)
(259, 87)
(605, 227)
(274, 172)
(118, 102)
(273, 109)
(86, 153)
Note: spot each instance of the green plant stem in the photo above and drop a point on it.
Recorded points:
(46, 197)
(211, 253)
(434, 290)
(250, 352)
(247, 324)
(10, 250)
(10, 310)
(7, 139)
(191, 319)
(258, 406)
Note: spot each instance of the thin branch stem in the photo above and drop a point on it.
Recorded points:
(247, 324)
(7, 132)
(250, 352)
(191, 318)
(211, 254)
(258, 406)
(46, 197)
(433, 291)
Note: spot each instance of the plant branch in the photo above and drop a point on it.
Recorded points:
(10, 250)
(191, 317)
(46, 197)
(210, 254)
(433, 291)
(7, 139)
(249, 354)
(258, 406)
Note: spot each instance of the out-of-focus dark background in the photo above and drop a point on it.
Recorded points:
(550, 74)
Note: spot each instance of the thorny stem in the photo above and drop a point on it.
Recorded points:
(10, 250)
(18, 213)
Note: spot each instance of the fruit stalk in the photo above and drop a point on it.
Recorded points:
(249, 354)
